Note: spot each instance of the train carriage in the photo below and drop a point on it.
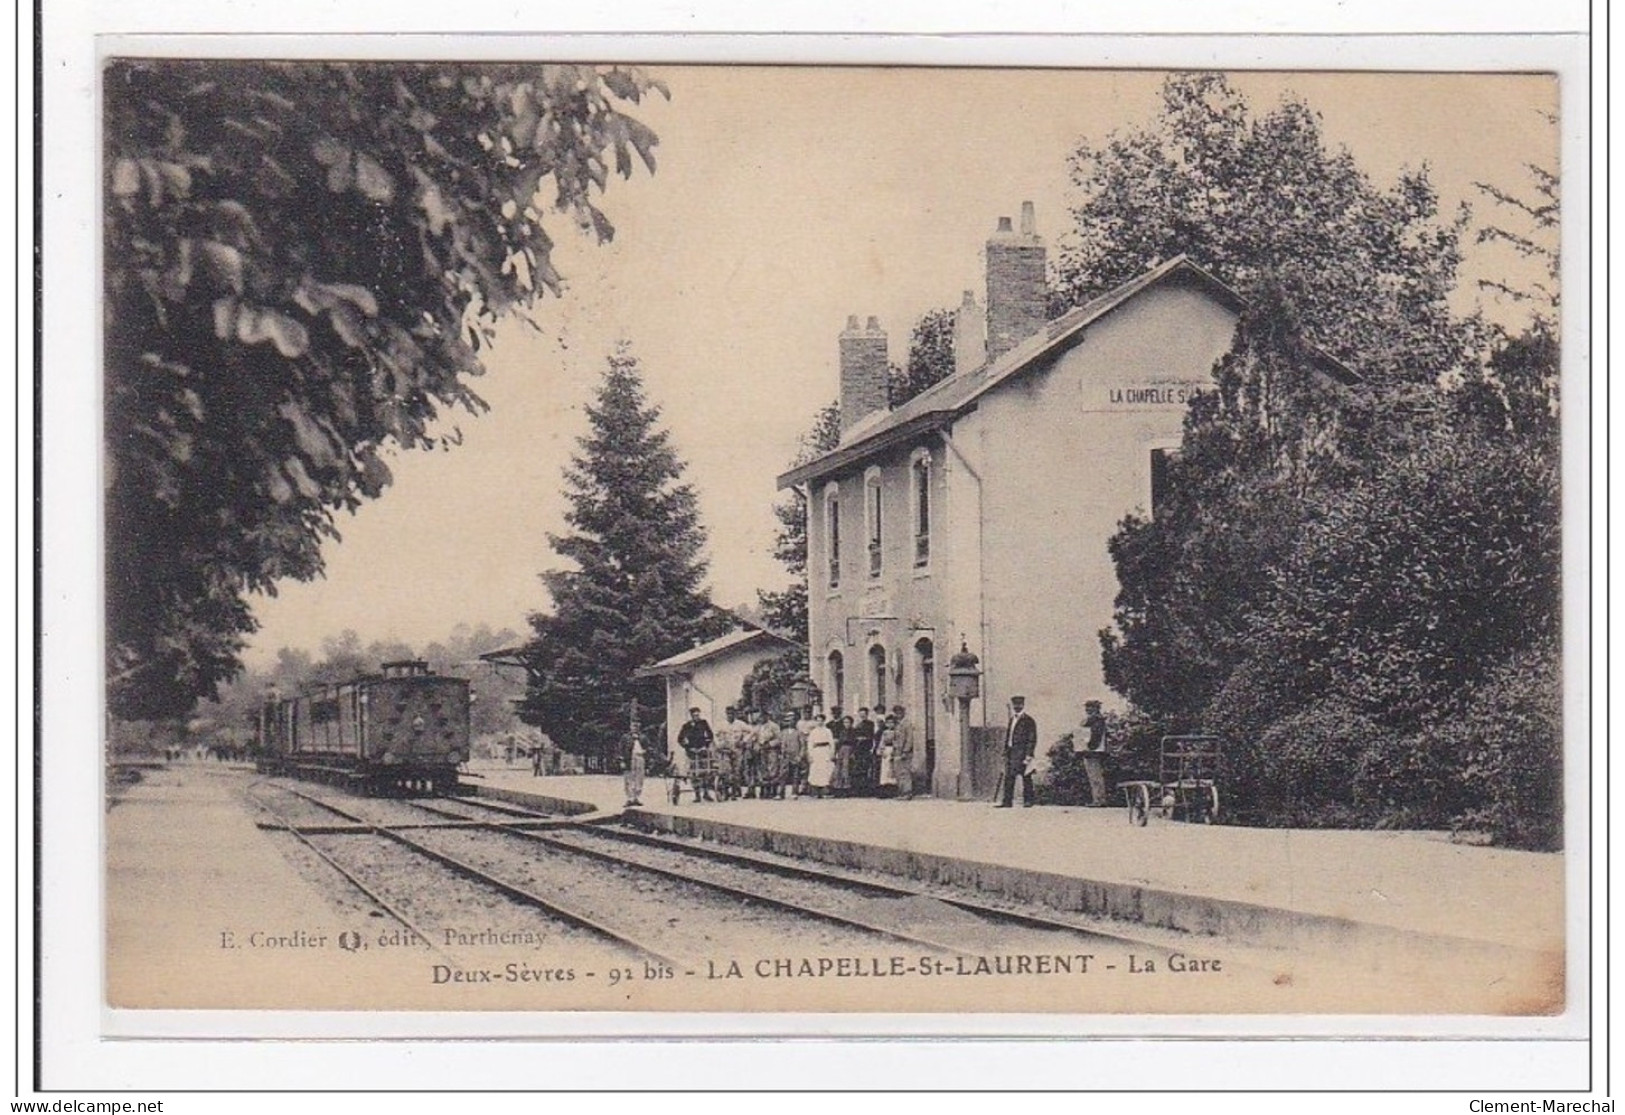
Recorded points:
(403, 729)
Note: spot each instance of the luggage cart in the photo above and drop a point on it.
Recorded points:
(698, 772)
(1187, 784)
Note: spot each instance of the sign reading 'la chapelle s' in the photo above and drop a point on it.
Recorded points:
(1171, 393)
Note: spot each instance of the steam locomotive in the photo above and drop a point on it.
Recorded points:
(401, 730)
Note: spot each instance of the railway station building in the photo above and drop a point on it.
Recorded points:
(978, 512)
(710, 676)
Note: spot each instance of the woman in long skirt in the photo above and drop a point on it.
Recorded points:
(841, 783)
(820, 758)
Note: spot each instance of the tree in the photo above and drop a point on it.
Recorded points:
(302, 263)
(785, 611)
(930, 358)
(1533, 235)
(1260, 198)
(1192, 576)
(636, 592)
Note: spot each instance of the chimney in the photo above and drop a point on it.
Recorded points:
(863, 371)
(970, 346)
(1017, 298)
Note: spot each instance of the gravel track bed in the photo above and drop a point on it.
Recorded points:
(1081, 922)
(290, 806)
(474, 811)
(933, 919)
(437, 899)
(684, 920)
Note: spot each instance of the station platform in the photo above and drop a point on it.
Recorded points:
(1372, 892)
(194, 888)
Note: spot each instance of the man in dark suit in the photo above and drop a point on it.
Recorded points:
(1020, 743)
(695, 738)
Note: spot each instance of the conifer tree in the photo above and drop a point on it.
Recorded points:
(636, 592)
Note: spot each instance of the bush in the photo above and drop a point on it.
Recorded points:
(1064, 781)
(1511, 737)
(1301, 771)
(1411, 781)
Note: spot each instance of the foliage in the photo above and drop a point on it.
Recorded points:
(767, 686)
(1406, 592)
(930, 357)
(302, 263)
(1302, 769)
(636, 592)
(785, 611)
(1192, 577)
(1260, 198)
(1513, 762)
(1530, 228)
(1336, 578)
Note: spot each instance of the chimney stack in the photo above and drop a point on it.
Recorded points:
(863, 371)
(1017, 298)
(970, 346)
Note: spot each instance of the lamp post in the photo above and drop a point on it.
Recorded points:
(803, 693)
(964, 685)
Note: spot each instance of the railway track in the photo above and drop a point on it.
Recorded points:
(855, 908)
(525, 897)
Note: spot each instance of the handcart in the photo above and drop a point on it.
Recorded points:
(696, 771)
(1187, 783)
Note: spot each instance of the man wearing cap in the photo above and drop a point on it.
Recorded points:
(1094, 751)
(729, 740)
(1020, 742)
(695, 737)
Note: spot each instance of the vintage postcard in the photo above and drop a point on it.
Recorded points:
(677, 538)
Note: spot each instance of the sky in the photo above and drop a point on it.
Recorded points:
(786, 199)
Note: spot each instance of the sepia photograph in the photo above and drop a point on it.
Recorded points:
(844, 539)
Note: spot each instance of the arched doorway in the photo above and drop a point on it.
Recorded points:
(925, 667)
(835, 681)
(877, 680)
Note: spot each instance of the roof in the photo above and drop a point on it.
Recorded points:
(938, 405)
(734, 640)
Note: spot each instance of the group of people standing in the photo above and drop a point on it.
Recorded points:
(752, 756)
(862, 757)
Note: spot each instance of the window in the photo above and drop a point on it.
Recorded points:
(832, 532)
(1160, 457)
(836, 687)
(871, 517)
(920, 497)
(877, 678)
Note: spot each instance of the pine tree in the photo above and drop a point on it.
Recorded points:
(637, 591)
